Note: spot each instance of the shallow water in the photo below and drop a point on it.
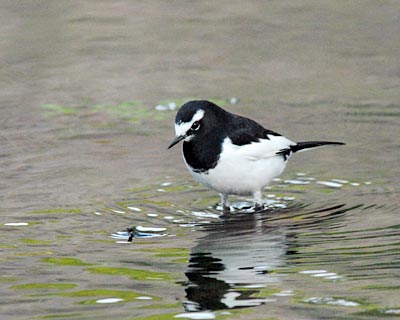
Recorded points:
(87, 101)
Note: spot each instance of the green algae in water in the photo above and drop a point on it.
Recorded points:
(64, 237)
(35, 241)
(132, 111)
(57, 211)
(206, 201)
(264, 292)
(8, 279)
(326, 190)
(102, 293)
(98, 294)
(162, 306)
(170, 316)
(169, 252)
(159, 203)
(232, 313)
(34, 253)
(336, 301)
(378, 287)
(44, 286)
(60, 316)
(56, 109)
(175, 188)
(101, 241)
(181, 260)
(103, 141)
(380, 312)
(180, 255)
(131, 273)
(65, 261)
(7, 246)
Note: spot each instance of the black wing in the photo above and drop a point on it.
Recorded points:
(244, 131)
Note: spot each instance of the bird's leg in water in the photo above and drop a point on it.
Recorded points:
(258, 201)
(224, 202)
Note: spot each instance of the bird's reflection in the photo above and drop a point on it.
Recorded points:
(231, 263)
(241, 253)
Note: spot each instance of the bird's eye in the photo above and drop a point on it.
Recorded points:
(195, 126)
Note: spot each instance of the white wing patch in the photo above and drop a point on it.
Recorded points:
(264, 148)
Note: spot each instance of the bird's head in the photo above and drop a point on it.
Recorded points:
(193, 119)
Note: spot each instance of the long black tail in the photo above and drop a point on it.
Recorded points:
(302, 146)
(312, 144)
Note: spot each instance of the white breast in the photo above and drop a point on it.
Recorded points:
(243, 170)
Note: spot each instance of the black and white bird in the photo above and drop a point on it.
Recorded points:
(231, 154)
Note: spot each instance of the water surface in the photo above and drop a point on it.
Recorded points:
(83, 156)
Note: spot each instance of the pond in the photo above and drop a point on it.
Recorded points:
(99, 220)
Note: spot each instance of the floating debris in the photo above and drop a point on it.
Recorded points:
(144, 298)
(170, 106)
(187, 225)
(150, 229)
(330, 184)
(109, 300)
(135, 209)
(331, 301)
(161, 107)
(196, 315)
(334, 277)
(340, 181)
(233, 100)
(16, 224)
(325, 274)
(296, 182)
(152, 215)
(254, 286)
(322, 274)
(261, 268)
(166, 184)
(138, 232)
(284, 293)
(202, 215)
(312, 271)
(392, 311)
(117, 211)
(286, 198)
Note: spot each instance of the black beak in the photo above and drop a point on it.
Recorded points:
(175, 141)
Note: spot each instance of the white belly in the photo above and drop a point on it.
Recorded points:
(241, 177)
(240, 172)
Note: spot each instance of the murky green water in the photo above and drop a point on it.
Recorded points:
(86, 98)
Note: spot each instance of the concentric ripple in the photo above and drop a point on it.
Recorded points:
(329, 254)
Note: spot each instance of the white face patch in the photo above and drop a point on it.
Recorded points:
(183, 127)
